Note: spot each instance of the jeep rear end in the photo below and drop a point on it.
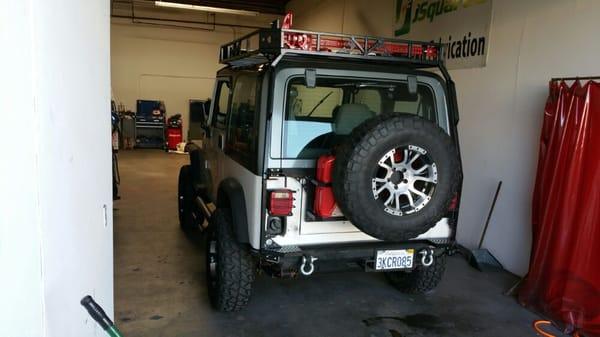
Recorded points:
(325, 149)
(302, 223)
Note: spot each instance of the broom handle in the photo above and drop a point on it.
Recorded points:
(489, 217)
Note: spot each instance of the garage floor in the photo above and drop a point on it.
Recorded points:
(160, 286)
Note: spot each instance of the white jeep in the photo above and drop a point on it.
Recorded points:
(325, 148)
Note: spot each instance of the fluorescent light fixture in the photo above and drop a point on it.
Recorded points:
(205, 8)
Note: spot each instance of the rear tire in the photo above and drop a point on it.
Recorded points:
(229, 266)
(421, 280)
(188, 219)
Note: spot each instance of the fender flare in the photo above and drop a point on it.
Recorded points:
(231, 195)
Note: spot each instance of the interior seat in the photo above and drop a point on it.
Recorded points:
(345, 118)
(350, 116)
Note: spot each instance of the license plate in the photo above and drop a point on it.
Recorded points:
(394, 259)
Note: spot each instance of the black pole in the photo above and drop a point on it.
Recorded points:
(489, 217)
(554, 79)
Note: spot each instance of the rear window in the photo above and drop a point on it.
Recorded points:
(317, 119)
(315, 103)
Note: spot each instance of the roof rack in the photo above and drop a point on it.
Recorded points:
(267, 45)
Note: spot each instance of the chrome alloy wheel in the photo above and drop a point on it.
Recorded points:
(405, 180)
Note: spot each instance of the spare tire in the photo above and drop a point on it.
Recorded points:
(396, 176)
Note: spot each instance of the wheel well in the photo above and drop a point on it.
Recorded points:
(231, 195)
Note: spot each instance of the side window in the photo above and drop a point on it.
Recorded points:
(221, 105)
(242, 133)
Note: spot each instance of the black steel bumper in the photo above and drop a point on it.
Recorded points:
(286, 261)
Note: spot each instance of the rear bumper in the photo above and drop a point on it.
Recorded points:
(287, 261)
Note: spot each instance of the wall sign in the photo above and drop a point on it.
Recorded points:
(463, 25)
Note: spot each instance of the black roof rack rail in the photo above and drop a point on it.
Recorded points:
(267, 45)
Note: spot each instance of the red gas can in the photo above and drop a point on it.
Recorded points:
(324, 204)
(324, 168)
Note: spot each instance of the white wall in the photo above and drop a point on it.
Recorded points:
(55, 240)
(21, 289)
(170, 64)
(501, 105)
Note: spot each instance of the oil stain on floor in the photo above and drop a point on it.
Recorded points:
(419, 321)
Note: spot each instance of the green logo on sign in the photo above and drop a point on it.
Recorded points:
(403, 9)
(425, 9)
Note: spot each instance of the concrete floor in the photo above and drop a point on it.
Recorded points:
(160, 286)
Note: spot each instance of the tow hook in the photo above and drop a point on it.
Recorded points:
(426, 257)
(307, 267)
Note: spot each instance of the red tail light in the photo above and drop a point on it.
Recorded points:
(281, 202)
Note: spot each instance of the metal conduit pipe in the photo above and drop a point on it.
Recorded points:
(131, 17)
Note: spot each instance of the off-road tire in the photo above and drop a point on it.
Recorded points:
(185, 200)
(189, 217)
(231, 286)
(420, 280)
(357, 159)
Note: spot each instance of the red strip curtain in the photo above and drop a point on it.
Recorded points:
(563, 282)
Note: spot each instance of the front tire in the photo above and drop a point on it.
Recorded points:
(188, 218)
(229, 266)
(421, 280)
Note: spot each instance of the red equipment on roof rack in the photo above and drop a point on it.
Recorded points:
(265, 45)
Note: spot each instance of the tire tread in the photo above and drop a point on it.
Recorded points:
(420, 280)
(236, 267)
(185, 191)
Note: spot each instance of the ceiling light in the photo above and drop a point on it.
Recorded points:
(205, 8)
